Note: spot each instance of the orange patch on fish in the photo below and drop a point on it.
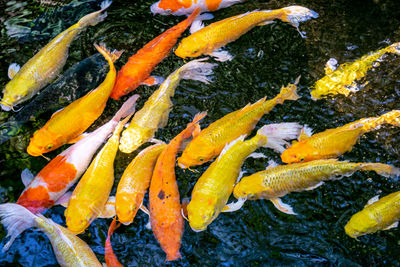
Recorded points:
(36, 199)
(58, 174)
(213, 5)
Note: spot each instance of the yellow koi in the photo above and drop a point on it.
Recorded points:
(210, 39)
(378, 214)
(211, 140)
(69, 249)
(276, 182)
(212, 190)
(155, 112)
(343, 80)
(43, 67)
(332, 143)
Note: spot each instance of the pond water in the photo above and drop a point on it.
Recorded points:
(265, 59)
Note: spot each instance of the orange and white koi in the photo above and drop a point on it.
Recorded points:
(54, 180)
(43, 67)
(343, 79)
(186, 7)
(211, 140)
(332, 143)
(276, 182)
(165, 207)
(211, 192)
(139, 66)
(69, 249)
(71, 121)
(210, 39)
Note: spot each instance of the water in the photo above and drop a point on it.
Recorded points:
(265, 59)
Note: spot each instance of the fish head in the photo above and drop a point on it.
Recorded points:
(202, 210)
(361, 223)
(125, 207)
(196, 153)
(299, 152)
(189, 48)
(42, 142)
(79, 217)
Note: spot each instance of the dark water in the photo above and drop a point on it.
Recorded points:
(265, 59)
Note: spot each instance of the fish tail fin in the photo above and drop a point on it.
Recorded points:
(381, 169)
(394, 48)
(15, 219)
(110, 257)
(127, 109)
(95, 17)
(391, 117)
(277, 134)
(288, 92)
(197, 70)
(110, 56)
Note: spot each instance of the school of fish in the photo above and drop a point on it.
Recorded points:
(310, 161)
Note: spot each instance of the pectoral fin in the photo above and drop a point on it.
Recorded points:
(13, 69)
(64, 199)
(330, 66)
(314, 186)
(153, 80)
(198, 24)
(271, 164)
(305, 133)
(27, 177)
(257, 155)
(285, 208)
(372, 200)
(234, 206)
(222, 55)
(393, 225)
(76, 139)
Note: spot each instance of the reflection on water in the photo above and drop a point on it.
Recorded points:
(265, 59)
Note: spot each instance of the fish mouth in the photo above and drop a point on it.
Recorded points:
(5, 106)
(198, 230)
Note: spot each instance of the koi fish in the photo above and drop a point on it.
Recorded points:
(134, 183)
(154, 114)
(276, 182)
(210, 142)
(43, 67)
(91, 193)
(179, 8)
(378, 214)
(50, 185)
(343, 80)
(210, 39)
(332, 143)
(110, 257)
(69, 249)
(139, 66)
(68, 123)
(165, 207)
(211, 192)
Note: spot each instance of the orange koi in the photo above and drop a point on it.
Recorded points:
(111, 259)
(68, 123)
(186, 7)
(139, 66)
(165, 208)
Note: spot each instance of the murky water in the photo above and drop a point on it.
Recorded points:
(265, 59)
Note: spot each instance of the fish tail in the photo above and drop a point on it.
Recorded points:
(110, 257)
(110, 56)
(381, 169)
(197, 70)
(277, 134)
(394, 48)
(391, 117)
(296, 14)
(15, 219)
(288, 93)
(95, 17)
(127, 109)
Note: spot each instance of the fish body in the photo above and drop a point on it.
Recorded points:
(43, 67)
(186, 7)
(155, 111)
(343, 80)
(209, 39)
(380, 215)
(211, 140)
(54, 180)
(140, 65)
(92, 192)
(165, 207)
(134, 183)
(69, 249)
(332, 143)
(211, 192)
(68, 123)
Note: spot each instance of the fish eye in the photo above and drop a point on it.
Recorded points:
(49, 146)
(201, 159)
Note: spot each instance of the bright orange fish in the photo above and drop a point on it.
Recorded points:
(165, 207)
(186, 7)
(68, 123)
(111, 259)
(139, 66)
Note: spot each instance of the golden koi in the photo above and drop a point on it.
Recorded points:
(155, 112)
(378, 214)
(332, 143)
(210, 39)
(69, 249)
(343, 80)
(43, 67)
(276, 182)
(186, 7)
(68, 123)
(210, 142)
(212, 190)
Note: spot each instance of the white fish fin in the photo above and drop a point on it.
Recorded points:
(13, 69)
(277, 134)
(257, 155)
(241, 173)
(105, 4)
(372, 201)
(234, 206)
(229, 145)
(305, 133)
(271, 164)
(27, 177)
(144, 209)
(148, 225)
(5, 107)
(222, 55)
(156, 141)
(128, 108)
(109, 209)
(64, 199)
(197, 70)
(331, 65)
(56, 112)
(153, 80)
(15, 220)
(314, 186)
(393, 225)
(265, 23)
(198, 24)
(285, 208)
